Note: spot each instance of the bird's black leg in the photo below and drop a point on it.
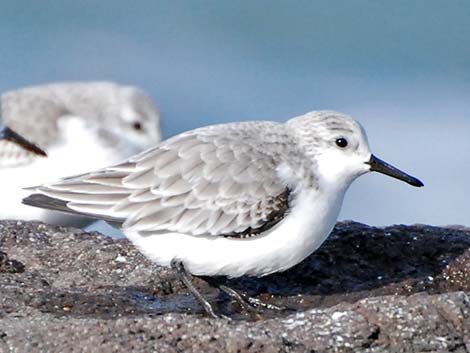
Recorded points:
(246, 302)
(184, 278)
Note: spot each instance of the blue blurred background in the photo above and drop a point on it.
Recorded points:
(402, 68)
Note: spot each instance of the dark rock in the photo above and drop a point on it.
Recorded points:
(400, 288)
(11, 266)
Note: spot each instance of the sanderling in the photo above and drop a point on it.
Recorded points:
(248, 198)
(80, 125)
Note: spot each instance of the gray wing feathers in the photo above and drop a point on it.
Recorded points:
(207, 181)
(56, 204)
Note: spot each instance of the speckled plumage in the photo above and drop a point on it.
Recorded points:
(217, 180)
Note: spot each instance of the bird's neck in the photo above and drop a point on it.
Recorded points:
(332, 177)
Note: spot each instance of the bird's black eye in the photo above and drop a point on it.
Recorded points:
(137, 126)
(341, 142)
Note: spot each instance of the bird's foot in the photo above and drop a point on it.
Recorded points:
(249, 303)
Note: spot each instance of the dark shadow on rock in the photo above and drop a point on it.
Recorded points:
(356, 261)
(109, 302)
(8, 265)
(359, 261)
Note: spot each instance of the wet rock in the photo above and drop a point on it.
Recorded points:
(400, 288)
(11, 266)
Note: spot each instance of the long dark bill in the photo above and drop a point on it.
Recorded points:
(378, 165)
(8, 134)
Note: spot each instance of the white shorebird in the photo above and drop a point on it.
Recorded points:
(80, 125)
(249, 198)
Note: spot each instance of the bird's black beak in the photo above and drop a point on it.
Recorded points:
(8, 134)
(378, 165)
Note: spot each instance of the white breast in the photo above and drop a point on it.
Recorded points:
(78, 151)
(301, 232)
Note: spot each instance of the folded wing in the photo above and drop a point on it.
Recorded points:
(219, 180)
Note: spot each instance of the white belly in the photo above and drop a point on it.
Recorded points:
(80, 151)
(300, 233)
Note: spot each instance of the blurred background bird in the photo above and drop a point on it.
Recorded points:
(79, 125)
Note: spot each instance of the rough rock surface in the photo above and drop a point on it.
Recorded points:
(401, 288)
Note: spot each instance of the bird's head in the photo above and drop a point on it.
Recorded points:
(339, 147)
(138, 120)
